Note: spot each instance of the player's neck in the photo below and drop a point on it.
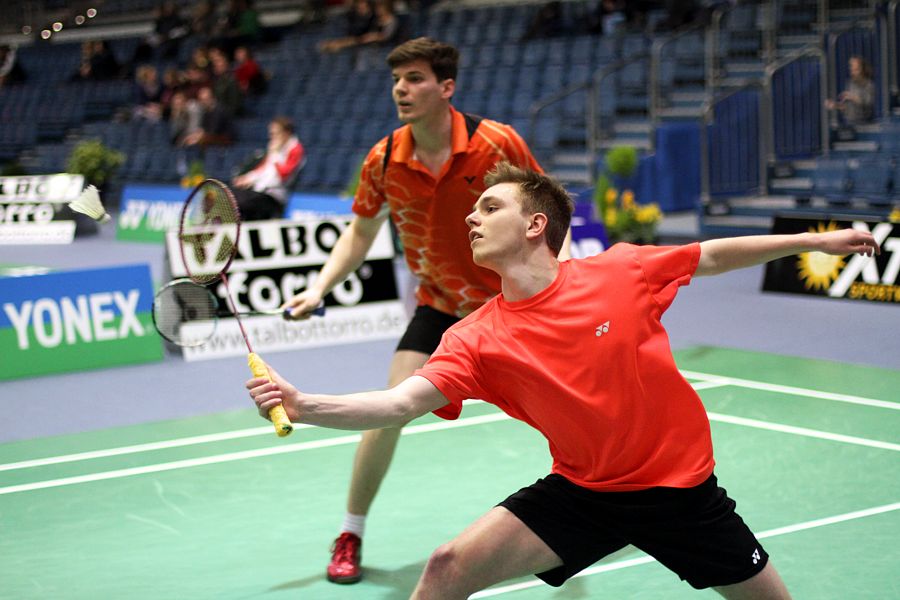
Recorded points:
(522, 279)
(432, 134)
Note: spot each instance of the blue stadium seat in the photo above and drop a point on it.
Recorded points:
(872, 179)
(831, 180)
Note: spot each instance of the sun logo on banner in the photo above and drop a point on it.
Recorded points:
(817, 269)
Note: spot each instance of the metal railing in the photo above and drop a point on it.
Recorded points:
(743, 162)
(657, 101)
(892, 65)
(776, 143)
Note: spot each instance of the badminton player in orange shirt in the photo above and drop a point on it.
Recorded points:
(577, 350)
(426, 175)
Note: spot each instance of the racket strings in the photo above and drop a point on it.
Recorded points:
(185, 313)
(209, 230)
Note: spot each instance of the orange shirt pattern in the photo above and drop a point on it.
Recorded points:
(587, 363)
(429, 212)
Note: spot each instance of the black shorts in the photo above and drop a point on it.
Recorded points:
(423, 334)
(693, 532)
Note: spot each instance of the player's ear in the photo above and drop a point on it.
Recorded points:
(537, 226)
(448, 88)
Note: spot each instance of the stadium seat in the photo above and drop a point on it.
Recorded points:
(831, 180)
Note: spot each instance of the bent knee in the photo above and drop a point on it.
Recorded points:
(444, 566)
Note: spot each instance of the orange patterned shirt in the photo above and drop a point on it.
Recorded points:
(430, 211)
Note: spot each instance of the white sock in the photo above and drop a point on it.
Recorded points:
(355, 524)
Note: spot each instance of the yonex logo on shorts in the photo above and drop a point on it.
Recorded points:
(602, 329)
(756, 557)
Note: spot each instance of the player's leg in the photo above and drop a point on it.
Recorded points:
(370, 465)
(765, 585)
(496, 547)
(375, 451)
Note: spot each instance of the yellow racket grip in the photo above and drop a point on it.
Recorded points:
(279, 418)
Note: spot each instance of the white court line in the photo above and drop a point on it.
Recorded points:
(795, 391)
(711, 381)
(634, 562)
(814, 433)
(233, 456)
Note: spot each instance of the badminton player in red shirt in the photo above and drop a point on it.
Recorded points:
(577, 350)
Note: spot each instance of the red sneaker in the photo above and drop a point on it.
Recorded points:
(346, 553)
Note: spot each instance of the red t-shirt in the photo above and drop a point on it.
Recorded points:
(587, 363)
(430, 211)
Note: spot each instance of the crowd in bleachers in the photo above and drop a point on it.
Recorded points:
(208, 79)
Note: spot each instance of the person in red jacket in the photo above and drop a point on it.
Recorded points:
(262, 192)
(577, 350)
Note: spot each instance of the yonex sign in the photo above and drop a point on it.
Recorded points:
(73, 320)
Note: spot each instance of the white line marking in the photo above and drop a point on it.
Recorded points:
(796, 391)
(233, 456)
(634, 562)
(814, 433)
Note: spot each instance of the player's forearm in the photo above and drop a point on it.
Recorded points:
(347, 255)
(728, 254)
(361, 411)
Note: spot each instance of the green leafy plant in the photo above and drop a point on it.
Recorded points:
(97, 162)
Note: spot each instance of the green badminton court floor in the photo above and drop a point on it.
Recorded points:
(220, 508)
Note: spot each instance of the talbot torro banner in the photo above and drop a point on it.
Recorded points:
(277, 259)
(853, 277)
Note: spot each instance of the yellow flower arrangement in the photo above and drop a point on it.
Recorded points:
(195, 175)
(626, 220)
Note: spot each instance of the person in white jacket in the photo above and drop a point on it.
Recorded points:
(262, 192)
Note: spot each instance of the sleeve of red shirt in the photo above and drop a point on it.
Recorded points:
(370, 192)
(666, 268)
(294, 157)
(452, 369)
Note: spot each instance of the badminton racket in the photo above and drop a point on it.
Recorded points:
(186, 313)
(208, 234)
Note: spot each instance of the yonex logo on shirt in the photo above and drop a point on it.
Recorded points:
(469, 180)
(602, 329)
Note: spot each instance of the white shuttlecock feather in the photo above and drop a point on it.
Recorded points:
(88, 203)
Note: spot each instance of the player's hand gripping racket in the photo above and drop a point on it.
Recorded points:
(208, 236)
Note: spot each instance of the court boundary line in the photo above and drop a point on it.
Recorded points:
(634, 562)
(709, 381)
(791, 390)
(409, 430)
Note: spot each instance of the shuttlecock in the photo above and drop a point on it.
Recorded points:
(88, 203)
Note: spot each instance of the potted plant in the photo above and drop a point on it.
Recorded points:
(624, 219)
(97, 162)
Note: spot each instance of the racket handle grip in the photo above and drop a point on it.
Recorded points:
(279, 417)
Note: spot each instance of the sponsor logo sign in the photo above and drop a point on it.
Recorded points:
(588, 234)
(30, 207)
(277, 259)
(148, 211)
(74, 320)
(851, 277)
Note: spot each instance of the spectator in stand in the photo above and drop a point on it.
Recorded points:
(216, 125)
(262, 192)
(184, 118)
(546, 23)
(10, 70)
(360, 21)
(225, 86)
(147, 93)
(249, 74)
(203, 22)
(240, 26)
(386, 29)
(168, 31)
(97, 62)
(856, 104)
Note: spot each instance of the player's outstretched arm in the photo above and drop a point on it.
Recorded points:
(412, 398)
(349, 252)
(728, 254)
